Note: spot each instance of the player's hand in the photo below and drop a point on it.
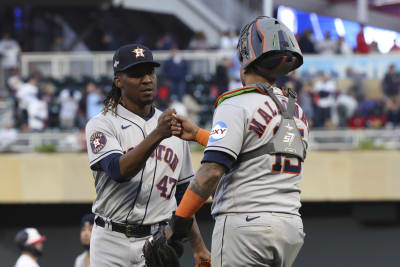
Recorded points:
(202, 258)
(164, 123)
(184, 128)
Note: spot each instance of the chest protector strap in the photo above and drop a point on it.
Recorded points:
(287, 140)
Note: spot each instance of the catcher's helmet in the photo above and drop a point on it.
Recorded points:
(269, 46)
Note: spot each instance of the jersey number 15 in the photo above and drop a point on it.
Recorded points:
(287, 166)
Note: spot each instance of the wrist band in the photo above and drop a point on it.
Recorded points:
(190, 204)
(202, 137)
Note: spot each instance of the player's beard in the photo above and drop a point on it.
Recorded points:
(86, 246)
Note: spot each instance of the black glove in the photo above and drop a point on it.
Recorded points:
(164, 247)
(160, 252)
(181, 227)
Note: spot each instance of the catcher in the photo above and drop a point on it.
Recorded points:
(253, 161)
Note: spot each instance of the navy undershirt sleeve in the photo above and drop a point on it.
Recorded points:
(180, 191)
(110, 165)
(219, 157)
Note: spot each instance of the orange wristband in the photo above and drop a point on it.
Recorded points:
(202, 137)
(190, 204)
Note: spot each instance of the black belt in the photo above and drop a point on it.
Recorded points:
(130, 230)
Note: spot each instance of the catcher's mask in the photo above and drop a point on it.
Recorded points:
(269, 46)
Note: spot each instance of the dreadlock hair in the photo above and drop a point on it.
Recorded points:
(112, 99)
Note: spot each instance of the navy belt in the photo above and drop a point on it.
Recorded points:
(130, 230)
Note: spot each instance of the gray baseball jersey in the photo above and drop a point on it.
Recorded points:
(268, 183)
(148, 197)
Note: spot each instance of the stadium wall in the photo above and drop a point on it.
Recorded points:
(328, 176)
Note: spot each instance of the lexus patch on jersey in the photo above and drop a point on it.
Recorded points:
(97, 142)
(218, 131)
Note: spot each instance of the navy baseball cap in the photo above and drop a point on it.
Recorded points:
(130, 55)
(87, 218)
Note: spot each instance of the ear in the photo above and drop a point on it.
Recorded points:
(117, 81)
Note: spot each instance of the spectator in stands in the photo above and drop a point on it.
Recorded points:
(37, 113)
(27, 93)
(356, 86)
(362, 46)
(396, 46)
(199, 41)
(346, 105)
(83, 260)
(305, 98)
(327, 45)
(377, 116)
(306, 42)
(392, 109)
(69, 101)
(166, 42)
(290, 81)
(30, 242)
(163, 96)
(342, 47)
(109, 43)
(391, 82)
(228, 40)
(324, 91)
(374, 47)
(8, 136)
(221, 78)
(9, 56)
(175, 70)
(15, 81)
(94, 100)
(234, 73)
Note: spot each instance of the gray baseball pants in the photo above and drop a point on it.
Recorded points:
(256, 239)
(109, 248)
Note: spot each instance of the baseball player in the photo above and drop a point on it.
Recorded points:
(83, 260)
(140, 171)
(253, 158)
(30, 242)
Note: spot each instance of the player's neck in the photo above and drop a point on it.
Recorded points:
(140, 110)
(252, 78)
(30, 256)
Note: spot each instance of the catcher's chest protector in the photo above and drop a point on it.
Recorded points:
(287, 139)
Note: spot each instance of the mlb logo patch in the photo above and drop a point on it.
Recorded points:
(97, 142)
(218, 131)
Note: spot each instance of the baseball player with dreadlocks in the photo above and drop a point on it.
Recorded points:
(253, 159)
(140, 171)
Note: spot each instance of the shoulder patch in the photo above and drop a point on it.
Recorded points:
(98, 141)
(218, 131)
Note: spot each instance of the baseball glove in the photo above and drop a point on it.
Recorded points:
(158, 251)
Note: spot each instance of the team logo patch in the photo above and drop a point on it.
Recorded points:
(97, 142)
(139, 52)
(218, 131)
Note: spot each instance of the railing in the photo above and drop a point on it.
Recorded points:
(319, 140)
(354, 139)
(96, 64)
